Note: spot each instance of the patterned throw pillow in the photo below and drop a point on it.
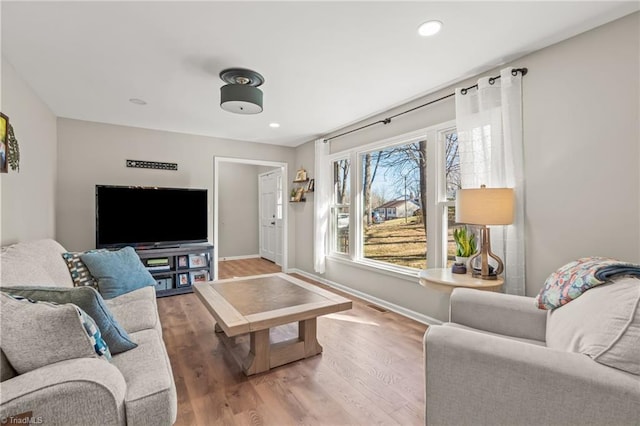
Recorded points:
(93, 332)
(36, 334)
(79, 272)
(574, 278)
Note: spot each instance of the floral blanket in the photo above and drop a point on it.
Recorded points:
(574, 278)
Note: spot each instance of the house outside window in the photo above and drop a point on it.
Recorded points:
(398, 215)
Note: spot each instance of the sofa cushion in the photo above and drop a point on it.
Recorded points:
(17, 271)
(44, 253)
(6, 370)
(39, 334)
(90, 301)
(603, 323)
(118, 272)
(151, 395)
(79, 272)
(135, 313)
(519, 339)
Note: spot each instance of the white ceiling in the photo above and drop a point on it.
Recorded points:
(326, 64)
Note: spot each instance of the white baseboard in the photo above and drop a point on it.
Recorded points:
(248, 256)
(369, 298)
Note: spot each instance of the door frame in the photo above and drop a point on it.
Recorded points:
(285, 220)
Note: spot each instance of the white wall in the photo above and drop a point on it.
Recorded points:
(28, 197)
(582, 138)
(238, 209)
(94, 153)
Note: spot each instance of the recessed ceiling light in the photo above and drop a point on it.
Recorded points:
(137, 101)
(274, 125)
(429, 28)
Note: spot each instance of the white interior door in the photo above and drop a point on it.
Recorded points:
(268, 211)
(279, 216)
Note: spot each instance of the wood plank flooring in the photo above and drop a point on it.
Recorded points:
(371, 370)
(245, 268)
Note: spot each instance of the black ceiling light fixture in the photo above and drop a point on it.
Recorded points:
(241, 94)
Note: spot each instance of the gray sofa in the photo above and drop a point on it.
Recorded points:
(136, 388)
(502, 361)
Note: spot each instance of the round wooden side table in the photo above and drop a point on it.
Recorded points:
(442, 279)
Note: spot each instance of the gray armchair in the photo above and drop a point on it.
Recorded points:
(490, 365)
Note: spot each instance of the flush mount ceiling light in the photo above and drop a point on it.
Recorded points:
(274, 125)
(429, 28)
(241, 94)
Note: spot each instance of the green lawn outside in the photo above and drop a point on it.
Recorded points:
(400, 242)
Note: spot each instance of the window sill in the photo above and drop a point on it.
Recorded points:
(395, 272)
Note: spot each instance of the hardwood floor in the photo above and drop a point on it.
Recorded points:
(371, 370)
(245, 268)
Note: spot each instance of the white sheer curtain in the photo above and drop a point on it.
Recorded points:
(489, 124)
(322, 198)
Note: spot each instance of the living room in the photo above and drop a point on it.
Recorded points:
(580, 109)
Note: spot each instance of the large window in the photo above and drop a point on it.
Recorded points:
(401, 214)
(394, 189)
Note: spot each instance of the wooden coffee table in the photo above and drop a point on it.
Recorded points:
(255, 304)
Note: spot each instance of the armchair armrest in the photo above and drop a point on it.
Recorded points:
(78, 391)
(474, 378)
(509, 315)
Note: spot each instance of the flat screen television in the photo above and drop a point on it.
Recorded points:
(148, 216)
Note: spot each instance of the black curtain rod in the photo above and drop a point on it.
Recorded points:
(387, 120)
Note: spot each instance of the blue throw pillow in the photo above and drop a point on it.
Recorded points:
(90, 301)
(118, 272)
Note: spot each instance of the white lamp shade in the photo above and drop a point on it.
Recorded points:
(485, 206)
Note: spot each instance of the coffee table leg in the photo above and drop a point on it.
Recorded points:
(307, 333)
(217, 328)
(259, 353)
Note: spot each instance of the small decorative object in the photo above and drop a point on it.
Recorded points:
(299, 194)
(310, 185)
(4, 142)
(301, 175)
(183, 280)
(197, 260)
(183, 261)
(143, 164)
(14, 150)
(199, 277)
(465, 245)
(459, 268)
(293, 194)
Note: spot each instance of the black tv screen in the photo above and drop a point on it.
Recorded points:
(146, 216)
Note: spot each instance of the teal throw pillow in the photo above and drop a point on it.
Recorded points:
(118, 272)
(90, 301)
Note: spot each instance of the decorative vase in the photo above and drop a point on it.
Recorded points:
(464, 261)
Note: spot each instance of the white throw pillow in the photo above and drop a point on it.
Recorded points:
(603, 323)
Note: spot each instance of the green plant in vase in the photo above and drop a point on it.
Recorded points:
(465, 245)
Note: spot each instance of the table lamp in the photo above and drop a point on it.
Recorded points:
(485, 206)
